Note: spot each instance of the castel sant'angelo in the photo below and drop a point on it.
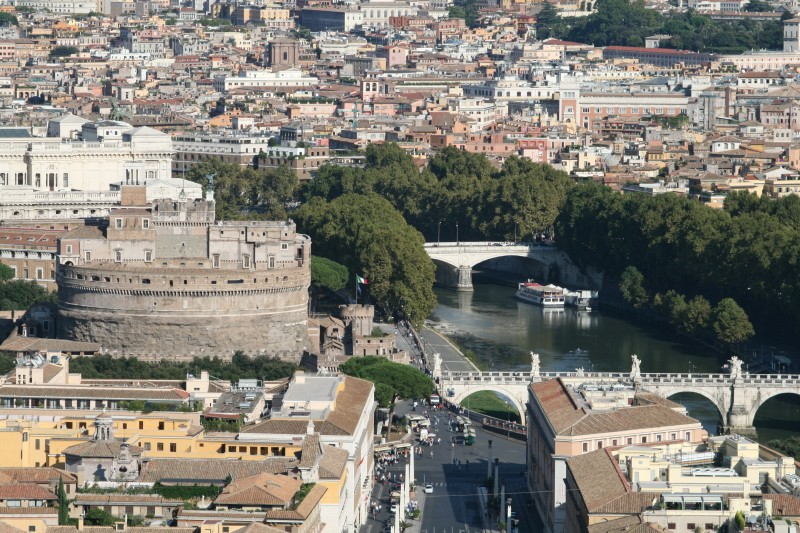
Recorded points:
(166, 279)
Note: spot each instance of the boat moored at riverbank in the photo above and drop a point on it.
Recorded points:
(541, 295)
(582, 299)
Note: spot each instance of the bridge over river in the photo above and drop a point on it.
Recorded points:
(737, 395)
(456, 261)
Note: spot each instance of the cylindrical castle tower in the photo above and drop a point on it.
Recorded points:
(169, 282)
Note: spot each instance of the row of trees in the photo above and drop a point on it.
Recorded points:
(240, 366)
(620, 22)
(457, 188)
(748, 252)
(726, 323)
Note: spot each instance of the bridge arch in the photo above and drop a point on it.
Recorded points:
(519, 404)
(764, 396)
(720, 409)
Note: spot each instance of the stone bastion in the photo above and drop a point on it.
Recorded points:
(180, 309)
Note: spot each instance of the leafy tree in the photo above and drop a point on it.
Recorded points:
(63, 51)
(328, 274)
(245, 194)
(730, 323)
(456, 12)
(758, 6)
(696, 315)
(403, 380)
(371, 238)
(99, 517)
(631, 286)
(8, 361)
(549, 23)
(63, 504)
(21, 294)
(6, 273)
(7, 19)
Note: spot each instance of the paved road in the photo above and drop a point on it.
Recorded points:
(453, 506)
(452, 359)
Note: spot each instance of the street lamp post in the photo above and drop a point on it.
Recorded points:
(439, 233)
(508, 419)
(457, 234)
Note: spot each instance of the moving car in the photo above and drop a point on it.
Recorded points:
(428, 489)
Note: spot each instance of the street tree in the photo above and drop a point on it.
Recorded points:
(632, 287)
(730, 323)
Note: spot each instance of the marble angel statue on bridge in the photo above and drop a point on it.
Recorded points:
(535, 365)
(636, 372)
(735, 367)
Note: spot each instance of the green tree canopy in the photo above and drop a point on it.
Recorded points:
(371, 238)
(631, 285)
(7, 19)
(246, 194)
(730, 323)
(328, 274)
(402, 380)
(99, 517)
(63, 51)
(6, 273)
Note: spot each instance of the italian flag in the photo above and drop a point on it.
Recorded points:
(361, 281)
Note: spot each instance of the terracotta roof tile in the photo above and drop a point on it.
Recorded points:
(36, 475)
(784, 504)
(211, 470)
(598, 478)
(628, 419)
(263, 489)
(100, 448)
(25, 491)
(332, 463)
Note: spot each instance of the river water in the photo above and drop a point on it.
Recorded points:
(502, 332)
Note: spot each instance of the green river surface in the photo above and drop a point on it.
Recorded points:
(502, 332)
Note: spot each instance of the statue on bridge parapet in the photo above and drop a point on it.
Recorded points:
(579, 372)
(535, 370)
(437, 366)
(735, 367)
(636, 371)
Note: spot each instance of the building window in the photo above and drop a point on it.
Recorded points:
(87, 255)
(599, 445)
(630, 440)
(145, 223)
(673, 436)
(141, 424)
(658, 438)
(69, 249)
(65, 180)
(118, 256)
(614, 442)
(689, 436)
(160, 447)
(585, 447)
(671, 525)
(644, 440)
(39, 273)
(284, 246)
(173, 447)
(118, 223)
(148, 256)
(215, 260)
(246, 261)
(147, 446)
(690, 526)
(161, 425)
(37, 444)
(272, 261)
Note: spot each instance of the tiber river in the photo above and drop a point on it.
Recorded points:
(502, 331)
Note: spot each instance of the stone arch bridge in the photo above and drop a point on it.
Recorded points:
(737, 397)
(457, 259)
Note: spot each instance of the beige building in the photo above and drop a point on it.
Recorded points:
(564, 423)
(108, 152)
(676, 486)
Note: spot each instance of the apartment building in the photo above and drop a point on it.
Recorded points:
(563, 423)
